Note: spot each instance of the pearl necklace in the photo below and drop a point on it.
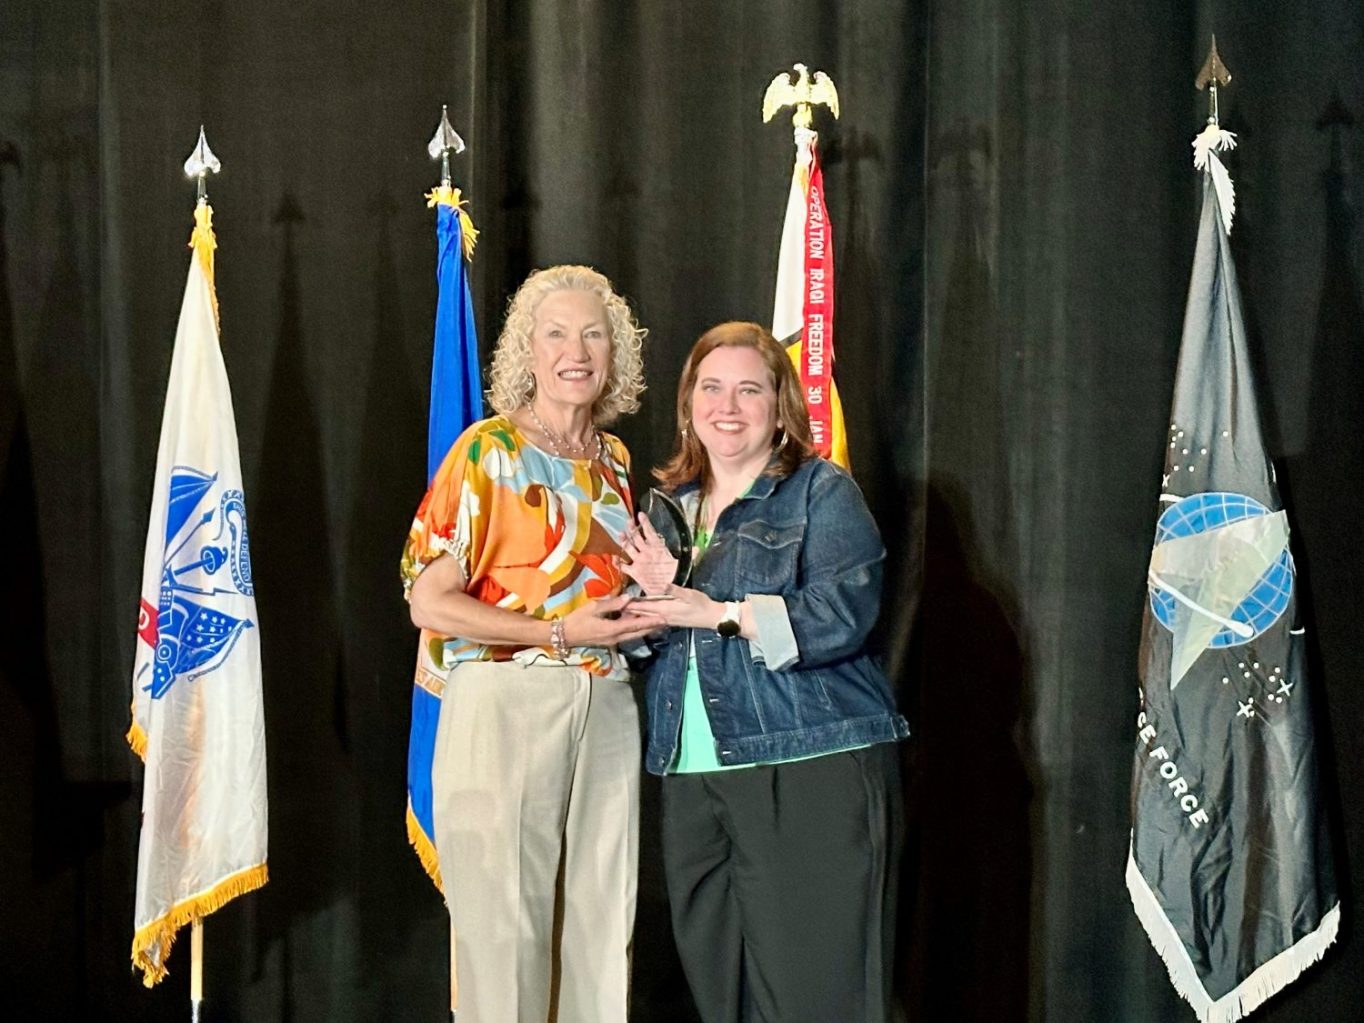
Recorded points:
(557, 439)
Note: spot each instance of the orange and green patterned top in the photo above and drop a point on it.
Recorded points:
(534, 533)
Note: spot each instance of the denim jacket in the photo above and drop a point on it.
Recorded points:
(804, 551)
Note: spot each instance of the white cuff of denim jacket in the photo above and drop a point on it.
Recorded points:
(776, 642)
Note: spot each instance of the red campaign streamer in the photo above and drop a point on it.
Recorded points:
(817, 353)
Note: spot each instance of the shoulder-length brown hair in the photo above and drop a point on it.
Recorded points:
(689, 462)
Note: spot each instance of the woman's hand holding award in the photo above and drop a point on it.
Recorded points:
(660, 549)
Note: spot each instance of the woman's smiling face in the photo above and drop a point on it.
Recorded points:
(734, 407)
(570, 348)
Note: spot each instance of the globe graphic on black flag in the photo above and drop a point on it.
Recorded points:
(1268, 598)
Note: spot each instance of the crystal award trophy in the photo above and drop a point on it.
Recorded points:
(670, 523)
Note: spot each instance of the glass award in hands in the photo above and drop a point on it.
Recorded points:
(661, 551)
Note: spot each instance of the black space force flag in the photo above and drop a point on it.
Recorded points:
(1230, 869)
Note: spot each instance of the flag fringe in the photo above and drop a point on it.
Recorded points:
(137, 740)
(160, 933)
(424, 848)
(1266, 981)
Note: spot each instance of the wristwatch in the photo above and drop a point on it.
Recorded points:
(728, 625)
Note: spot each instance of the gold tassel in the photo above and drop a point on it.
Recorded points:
(203, 241)
(447, 196)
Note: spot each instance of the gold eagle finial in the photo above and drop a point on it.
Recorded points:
(802, 94)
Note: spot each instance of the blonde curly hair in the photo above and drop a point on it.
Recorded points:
(510, 380)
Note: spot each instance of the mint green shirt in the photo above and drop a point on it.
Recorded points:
(696, 748)
(696, 751)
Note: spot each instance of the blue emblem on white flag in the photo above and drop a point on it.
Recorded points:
(194, 635)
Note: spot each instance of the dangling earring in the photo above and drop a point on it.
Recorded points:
(782, 445)
(685, 433)
(530, 394)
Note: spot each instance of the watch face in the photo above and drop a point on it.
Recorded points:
(728, 628)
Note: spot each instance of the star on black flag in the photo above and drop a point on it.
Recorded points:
(1230, 870)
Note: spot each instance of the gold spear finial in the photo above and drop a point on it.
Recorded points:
(801, 94)
(1210, 76)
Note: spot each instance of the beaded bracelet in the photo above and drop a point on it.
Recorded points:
(556, 639)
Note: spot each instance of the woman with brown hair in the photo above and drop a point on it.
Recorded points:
(772, 728)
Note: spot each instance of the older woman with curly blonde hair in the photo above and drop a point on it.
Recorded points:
(513, 572)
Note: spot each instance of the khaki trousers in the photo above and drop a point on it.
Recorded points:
(536, 786)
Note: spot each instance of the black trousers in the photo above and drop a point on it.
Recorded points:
(781, 881)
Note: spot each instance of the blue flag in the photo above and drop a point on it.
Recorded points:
(456, 401)
(456, 392)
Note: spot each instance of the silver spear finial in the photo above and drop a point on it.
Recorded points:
(443, 143)
(201, 163)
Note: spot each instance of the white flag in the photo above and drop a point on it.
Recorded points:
(198, 722)
(801, 294)
(788, 307)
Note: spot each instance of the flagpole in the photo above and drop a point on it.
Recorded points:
(444, 142)
(200, 163)
(803, 304)
(196, 963)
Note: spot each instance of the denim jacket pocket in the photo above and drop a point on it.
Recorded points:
(766, 555)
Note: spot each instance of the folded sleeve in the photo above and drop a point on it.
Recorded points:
(833, 610)
(775, 644)
(452, 517)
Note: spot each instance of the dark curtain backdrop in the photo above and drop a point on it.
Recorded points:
(1014, 217)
